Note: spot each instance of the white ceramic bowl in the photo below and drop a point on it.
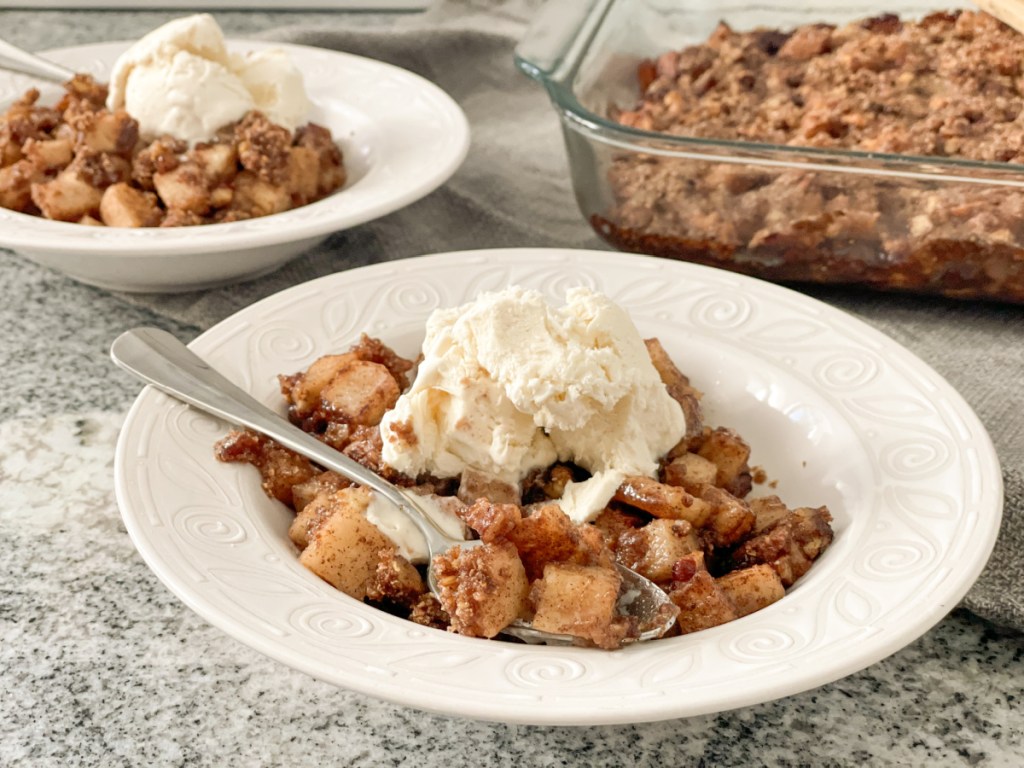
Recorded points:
(834, 411)
(401, 135)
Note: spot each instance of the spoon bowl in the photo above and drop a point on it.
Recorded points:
(159, 359)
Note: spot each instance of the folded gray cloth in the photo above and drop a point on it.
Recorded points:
(515, 190)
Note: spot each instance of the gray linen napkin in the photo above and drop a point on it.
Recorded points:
(514, 190)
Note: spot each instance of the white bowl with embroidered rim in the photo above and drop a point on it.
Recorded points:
(401, 135)
(835, 412)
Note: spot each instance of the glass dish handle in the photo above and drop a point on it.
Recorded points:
(552, 47)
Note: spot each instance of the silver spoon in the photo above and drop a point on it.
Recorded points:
(17, 60)
(159, 359)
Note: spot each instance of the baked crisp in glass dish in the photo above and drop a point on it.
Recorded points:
(794, 141)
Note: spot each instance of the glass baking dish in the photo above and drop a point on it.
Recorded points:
(894, 222)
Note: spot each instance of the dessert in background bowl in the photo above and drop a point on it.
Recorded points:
(185, 134)
(232, 172)
(804, 142)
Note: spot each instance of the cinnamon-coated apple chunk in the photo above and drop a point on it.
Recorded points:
(483, 589)
(579, 600)
(344, 549)
(125, 206)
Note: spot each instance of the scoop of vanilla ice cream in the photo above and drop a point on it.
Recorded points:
(561, 366)
(180, 80)
(629, 419)
(275, 84)
(188, 97)
(459, 416)
(199, 35)
(508, 384)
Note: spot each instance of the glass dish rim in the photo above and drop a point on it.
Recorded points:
(581, 119)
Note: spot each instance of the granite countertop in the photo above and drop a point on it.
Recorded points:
(103, 666)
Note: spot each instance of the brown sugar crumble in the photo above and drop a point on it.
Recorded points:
(946, 86)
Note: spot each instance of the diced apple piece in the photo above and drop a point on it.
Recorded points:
(179, 217)
(791, 545)
(10, 149)
(302, 390)
(332, 170)
(125, 206)
(375, 351)
(483, 588)
(680, 390)
(309, 518)
(221, 197)
(160, 156)
(299, 530)
(701, 601)
(491, 521)
(67, 197)
(303, 169)
(345, 549)
(114, 132)
(752, 589)
(677, 384)
(613, 522)
(661, 500)
(50, 154)
(396, 580)
(185, 188)
(258, 197)
(548, 535)
(16, 185)
(304, 493)
(691, 472)
(768, 510)
(218, 162)
(653, 550)
(554, 481)
(331, 177)
(359, 393)
(365, 447)
(731, 518)
(579, 600)
(476, 484)
(730, 453)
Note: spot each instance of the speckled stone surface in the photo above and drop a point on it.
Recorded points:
(101, 665)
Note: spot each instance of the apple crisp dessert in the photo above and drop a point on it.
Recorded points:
(718, 554)
(946, 86)
(79, 162)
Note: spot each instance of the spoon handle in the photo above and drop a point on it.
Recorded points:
(159, 359)
(17, 60)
